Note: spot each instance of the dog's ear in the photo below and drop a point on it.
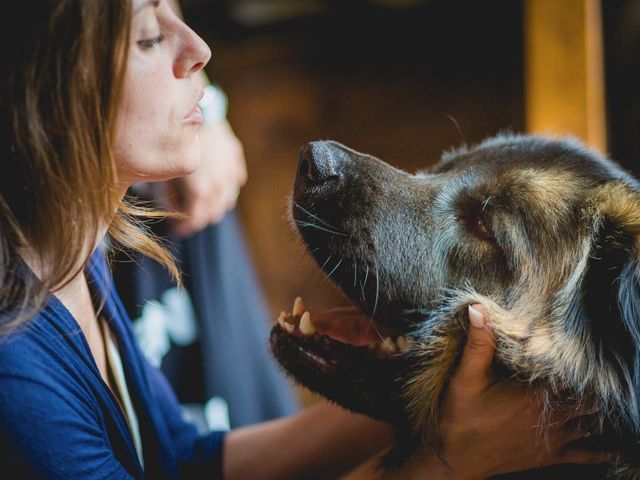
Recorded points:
(611, 289)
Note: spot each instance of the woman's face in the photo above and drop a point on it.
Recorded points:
(158, 121)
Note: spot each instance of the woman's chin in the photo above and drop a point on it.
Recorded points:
(189, 162)
(165, 169)
(183, 170)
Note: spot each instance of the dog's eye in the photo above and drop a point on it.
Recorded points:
(482, 227)
(475, 217)
(478, 224)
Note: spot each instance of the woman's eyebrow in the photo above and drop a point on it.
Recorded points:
(148, 3)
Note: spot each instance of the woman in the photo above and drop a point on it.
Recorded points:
(95, 96)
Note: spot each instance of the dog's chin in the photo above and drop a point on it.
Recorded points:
(353, 360)
(364, 379)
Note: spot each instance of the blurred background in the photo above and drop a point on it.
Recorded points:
(399, 80)
(404, 80)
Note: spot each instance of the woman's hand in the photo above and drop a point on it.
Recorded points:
(490, 426)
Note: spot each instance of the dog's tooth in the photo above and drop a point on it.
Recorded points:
(403, 344)
(306, 325)
(389, 345)
(285, 321)
(298, 307)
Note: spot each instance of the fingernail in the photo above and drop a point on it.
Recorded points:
(476, 318)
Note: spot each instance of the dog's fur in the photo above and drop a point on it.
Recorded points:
(544, 233)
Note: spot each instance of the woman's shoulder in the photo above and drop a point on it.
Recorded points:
(45, 381)
(51, 337)
(48, 401)
(42, 349)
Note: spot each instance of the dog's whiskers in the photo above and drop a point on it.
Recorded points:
(375, 328)
(318, 227)
(325, 262)
(297, 205)
(355, 272)
(375, 303)
(316, 217)
(363, 284)
(457, 125)
(334, 268)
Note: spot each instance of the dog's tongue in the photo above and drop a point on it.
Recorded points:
(349, 325)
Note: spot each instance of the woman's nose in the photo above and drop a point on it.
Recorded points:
(193, 54)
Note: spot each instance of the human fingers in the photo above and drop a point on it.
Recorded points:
(218, 204)
(572, 431)
(201, 209)
(582, 456)
(229, 178)
(231, 194)
(240, 164)
(474, 369)
(573, 420)
(181, 202)
(186, 227)
(234, 150)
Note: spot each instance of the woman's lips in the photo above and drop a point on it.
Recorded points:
(195, 116)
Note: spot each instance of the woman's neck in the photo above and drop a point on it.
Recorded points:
(74, 292)
(76, 298)
(75, 295)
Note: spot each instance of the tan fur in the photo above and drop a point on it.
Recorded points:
(548, 189)
(424, 390)
(530, 337)
(617, 201)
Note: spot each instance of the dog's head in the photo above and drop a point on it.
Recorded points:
(544, 233)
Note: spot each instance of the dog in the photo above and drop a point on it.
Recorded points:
(543, 232)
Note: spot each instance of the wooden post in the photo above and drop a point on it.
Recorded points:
(564, 71)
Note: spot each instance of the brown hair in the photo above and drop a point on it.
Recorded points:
(61, 76)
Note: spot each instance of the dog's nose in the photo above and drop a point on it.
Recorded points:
(318, 163)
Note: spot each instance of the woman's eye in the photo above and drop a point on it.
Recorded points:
(149, 43)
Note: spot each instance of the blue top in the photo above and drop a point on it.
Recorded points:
(58, 418)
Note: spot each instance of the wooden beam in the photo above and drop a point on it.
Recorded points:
(564, 71)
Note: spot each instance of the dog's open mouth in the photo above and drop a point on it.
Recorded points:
(345, 356)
